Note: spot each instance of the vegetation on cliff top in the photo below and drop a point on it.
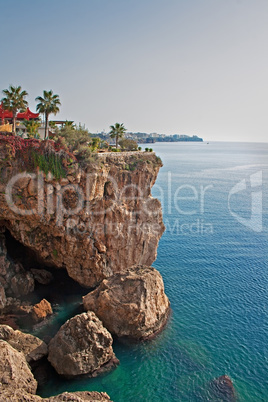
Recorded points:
(48, 156)
(69, 143)
(59, 155)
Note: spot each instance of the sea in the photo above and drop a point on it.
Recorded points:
(213, 259)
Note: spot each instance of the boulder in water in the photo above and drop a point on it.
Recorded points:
(82, 346)
(132, 304)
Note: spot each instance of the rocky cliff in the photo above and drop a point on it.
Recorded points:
(94, 222)
(102, 225)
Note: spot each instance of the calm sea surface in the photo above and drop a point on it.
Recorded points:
(213, 258)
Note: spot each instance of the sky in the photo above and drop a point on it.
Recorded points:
(195, 67)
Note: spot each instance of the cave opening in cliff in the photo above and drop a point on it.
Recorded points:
(60, 289)
(20, 253)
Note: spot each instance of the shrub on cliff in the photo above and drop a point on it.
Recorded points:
(32, 127)
(74, 136)
(49, 156)
(128, 145)
(49, 163)
(79, 142)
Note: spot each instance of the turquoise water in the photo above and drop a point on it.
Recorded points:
(214, 265)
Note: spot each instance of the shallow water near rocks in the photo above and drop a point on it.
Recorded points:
(215, 274)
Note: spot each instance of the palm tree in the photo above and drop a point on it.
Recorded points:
(69, 123)
(14, 101)
(48, 104)
(117, 131)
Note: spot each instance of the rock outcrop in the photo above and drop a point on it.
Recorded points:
(82, 346)
(41, 310)
(84, 396)
(94, 222)
(132, 304)
(18, 310)
(42, 276)
(32, 347)
(15, 375)
(17, 383)
(80, 397)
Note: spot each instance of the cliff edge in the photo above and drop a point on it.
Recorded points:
(94, 222)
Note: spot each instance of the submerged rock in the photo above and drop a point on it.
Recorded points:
(82, 346)
(132, 304)
(32, 347)
(223, 389)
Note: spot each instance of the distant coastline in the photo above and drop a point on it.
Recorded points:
(145, 138)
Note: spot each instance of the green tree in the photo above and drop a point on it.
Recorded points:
(117, 131)
(14, 101)
(75, 137)
(95, 143)
(52, 124)
(104, 145)
(48, 104)
(80, 143)
(127, 144)
(32, 127)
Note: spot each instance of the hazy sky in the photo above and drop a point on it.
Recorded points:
(167, 66)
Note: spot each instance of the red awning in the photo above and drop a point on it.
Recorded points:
(5, 114)
(27, 115)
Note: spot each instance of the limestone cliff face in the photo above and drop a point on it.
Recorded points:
(94, 222)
